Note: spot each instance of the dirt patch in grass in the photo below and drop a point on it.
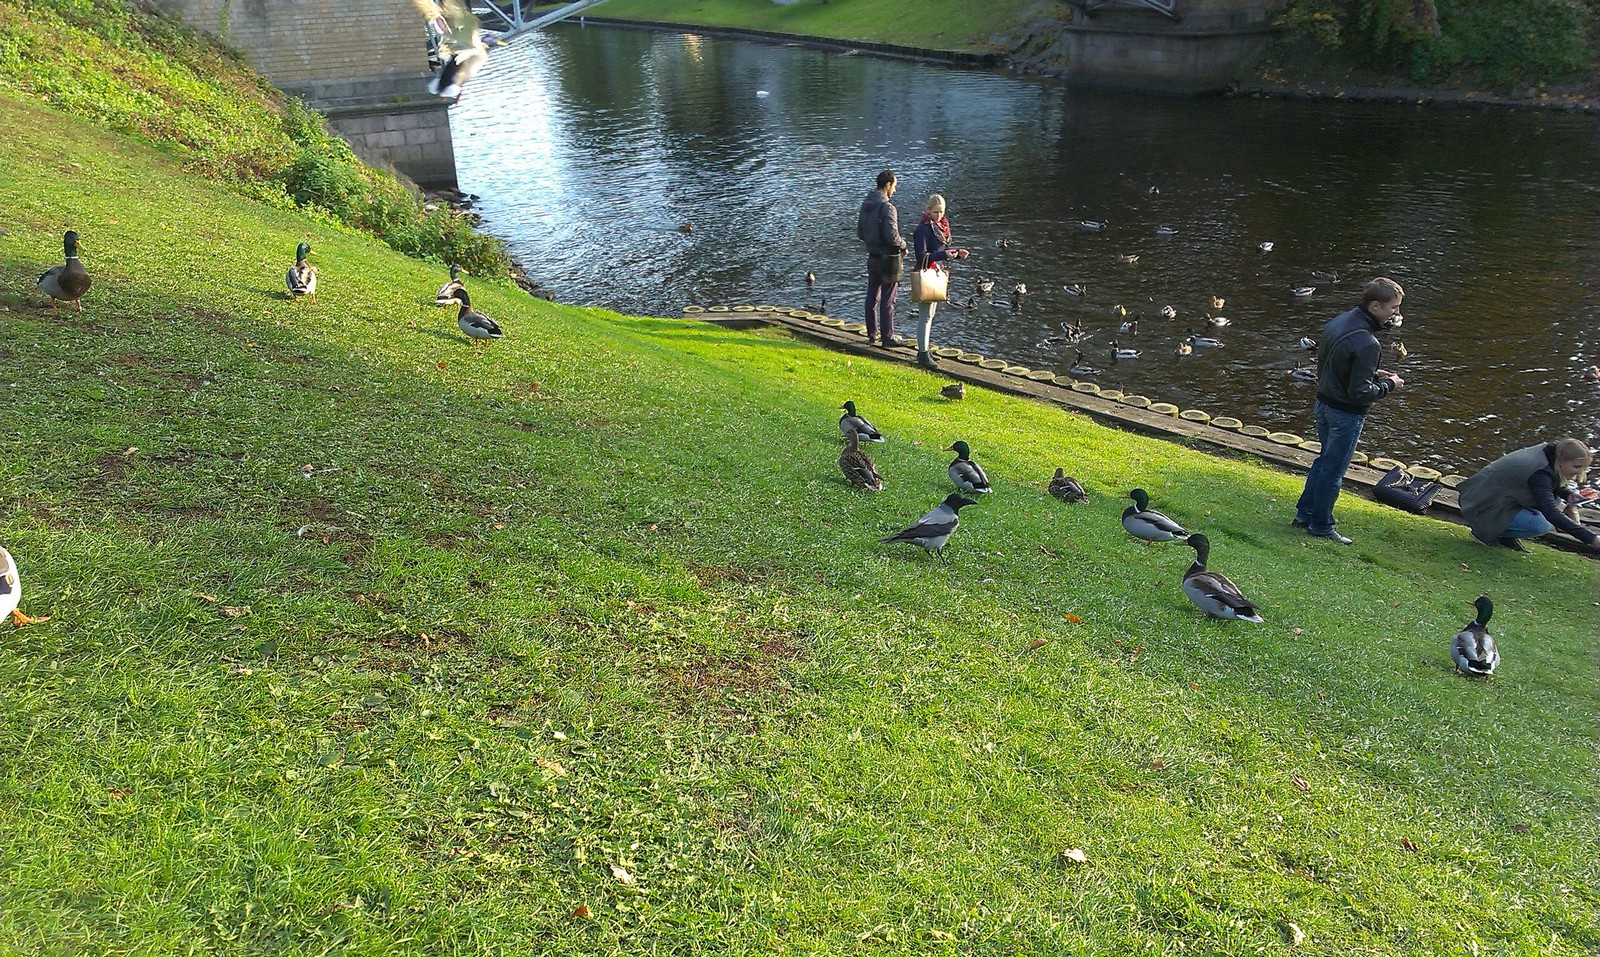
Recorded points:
(731, 685)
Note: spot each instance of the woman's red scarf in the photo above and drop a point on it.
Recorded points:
(941, 228)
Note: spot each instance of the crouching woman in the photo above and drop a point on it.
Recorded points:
(1528, 493)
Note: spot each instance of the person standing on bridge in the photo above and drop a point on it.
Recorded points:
(931, 243)
(878, 226)
(1348, 383)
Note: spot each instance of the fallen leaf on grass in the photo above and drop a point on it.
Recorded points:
(1520, 828)
(203, 595)
(1047, 551)
(440, 364)
(582, 910)
(621, 873)
(1073, 618)
(1294, 933)
(129, 450)
(118, 794)
(553, 766)
(1157, 763)
(1075, 855)
(235, 611)
(1408, 844)
(1299, 782)
(1038, 643)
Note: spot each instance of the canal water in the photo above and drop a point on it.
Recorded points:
(594, 148)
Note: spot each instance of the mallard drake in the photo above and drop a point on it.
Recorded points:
(1217, 322)
(1169, 312)
(1142, 521)
(1324, 275)
(446, 296)
(1165, 230)
(1185, 347)
(1307, 343)
(1303, 373)
(11, 592)
(1079, 367)
(1129, 258)
(966, 474)
(1067, 488)
(954, 390)
(1217, 302)
(935, 526)
(1203, 342)
(1124, 353)
(67, 282)
(1301, 292)
(851, 422)
(1473, 649)
(1075, 289)
(1212, 592)
(302, 276)
(1092, 224)
(475, 324)
(857, 465)
(1131, 327)
(1264, 247)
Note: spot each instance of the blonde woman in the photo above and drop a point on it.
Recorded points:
(931, 244)
(1516, 496)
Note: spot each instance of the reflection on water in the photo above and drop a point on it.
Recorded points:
(592, 147)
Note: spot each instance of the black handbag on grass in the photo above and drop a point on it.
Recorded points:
(1404, 490)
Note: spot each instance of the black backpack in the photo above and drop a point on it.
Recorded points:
(1404, 490)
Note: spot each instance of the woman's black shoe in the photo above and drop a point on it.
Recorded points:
(1511, 543)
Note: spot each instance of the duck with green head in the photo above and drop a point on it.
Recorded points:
(1473, 648)
(477, 326)
(446, 296)
(1144, 522)
(69, 281)
(1213, 592)
(852, 420)
(302, 276)
(967, 475)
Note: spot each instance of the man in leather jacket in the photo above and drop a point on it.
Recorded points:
(878, 226)
(1348, 383)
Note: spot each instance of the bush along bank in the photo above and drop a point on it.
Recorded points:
(137, 71)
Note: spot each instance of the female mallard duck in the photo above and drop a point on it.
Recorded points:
(302, 276)
(1324, 275)
(1119, 310)
(967, 474)
(1473, 649)
(1073, 333)
(1169, 312)
(11, 592)
(66, 282)
(851, 422)
(1067, 488)
(954, 390)
(475, 324)
(1203, 342)
(985, 286)
(446, 296)
(1217, 302)
(1185, 347)
(857, 465)
(1079, 367)
(1142, 521)
(1303, 373)
(1212, 592)
(1124, 353)
(1131, 327)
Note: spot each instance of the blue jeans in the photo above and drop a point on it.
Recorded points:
(1337, 432)
(1528, 524)
(880, 302)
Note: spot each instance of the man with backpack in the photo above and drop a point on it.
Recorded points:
(878, 227)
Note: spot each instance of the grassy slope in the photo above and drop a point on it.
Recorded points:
(930, 24)
(599, 597)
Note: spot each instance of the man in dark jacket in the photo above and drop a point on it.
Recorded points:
(1348, 382)
(878, 227)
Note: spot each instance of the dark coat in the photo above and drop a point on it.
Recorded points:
(1526, 478)
(878, 225)
(1347, 362)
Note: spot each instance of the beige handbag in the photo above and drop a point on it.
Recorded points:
(928, 285)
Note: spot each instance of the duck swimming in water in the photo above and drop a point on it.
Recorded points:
(1079, 367)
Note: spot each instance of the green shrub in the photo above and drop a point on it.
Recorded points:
(139, 72)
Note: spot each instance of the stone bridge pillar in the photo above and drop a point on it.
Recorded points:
(1166, 46)
(361, 63)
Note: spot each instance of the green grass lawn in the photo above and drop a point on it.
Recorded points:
(929, 24)
(362, 643)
